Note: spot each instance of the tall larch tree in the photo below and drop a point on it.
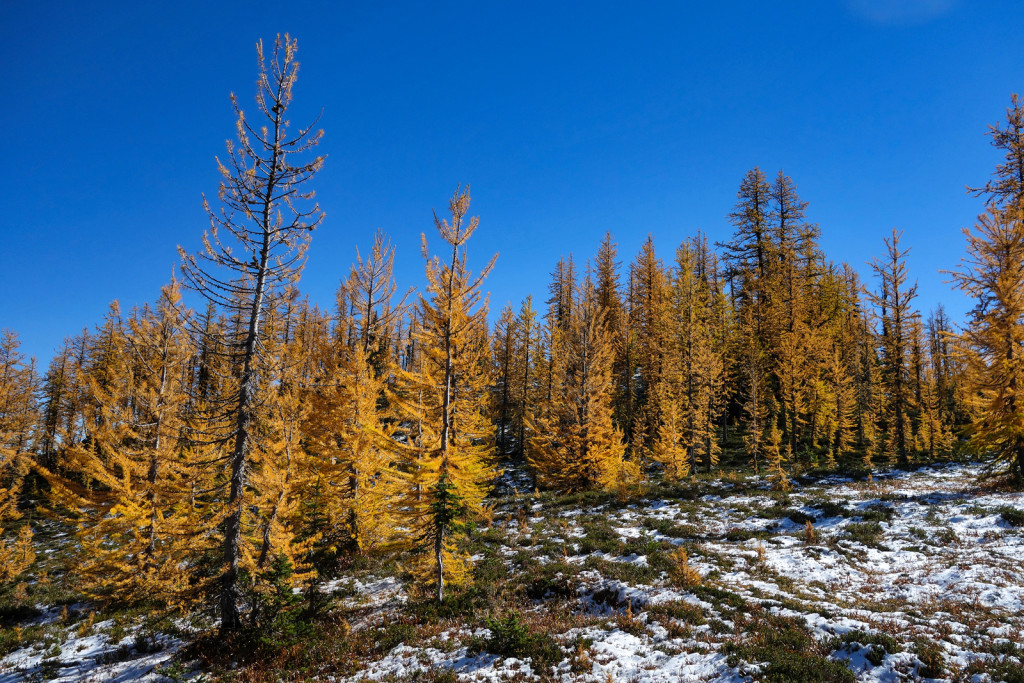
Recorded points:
(377, 311)
(61, 402)
(893, 303)
(279, 454)
(748, 263)
(709, 343)
(992, 344)
(789, 284)
(449, 440)
(524, 384)
(649, 310)
(347, 428)
(254, 249)
(1006, 187)
(747, 254)
(502, 357)
(608, 289)
(947, 369)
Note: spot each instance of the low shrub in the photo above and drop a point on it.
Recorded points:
(512, 637)
(929, 655)
(866, 533)
(877, 644)
(1012, 516)
(878, 513)
(784, 650)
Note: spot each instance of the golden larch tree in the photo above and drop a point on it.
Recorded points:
(128, 484)
(992, 343)
(575, 445)
(17, 419)
(354, 469)
(254, 250)
(442, 401)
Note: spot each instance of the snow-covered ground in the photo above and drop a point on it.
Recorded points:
(923, 558)
(911, 576)
(91, 652)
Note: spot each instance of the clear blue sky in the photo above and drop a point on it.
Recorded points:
(568, 119)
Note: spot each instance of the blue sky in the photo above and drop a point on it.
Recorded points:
(568, 119)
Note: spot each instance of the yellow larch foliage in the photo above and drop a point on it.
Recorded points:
(279, 455)
(17, 413)
(649, 308)
(992, 342)
(18, 556)
(670, 448)
(837, 414)
(993, 273)
(575, 446)
(130, 479)
(442, 400)
(775, 453)
(352, 477)
(693, 363)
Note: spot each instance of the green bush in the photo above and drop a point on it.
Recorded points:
(277, 619)
(390, 636)
(786, 651)
(685, 612)
(877, 644)
(511, 637)
(832, 509)
(551, 582)
(800, 517)
(1004, 669)
(878, 513)
(719, 596)
(736, 535)
(1012, 516)
(598, 536)
(866, 533)
(458, 602)
(668, 527)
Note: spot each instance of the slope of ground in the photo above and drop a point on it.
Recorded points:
(909, 576)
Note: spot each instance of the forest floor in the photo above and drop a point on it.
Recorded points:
(910, 576)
